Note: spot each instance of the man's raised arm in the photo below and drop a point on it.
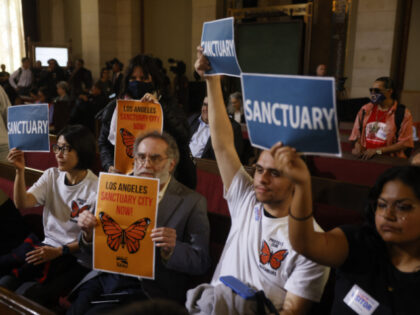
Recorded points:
(220, 127)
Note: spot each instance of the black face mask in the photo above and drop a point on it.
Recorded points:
(137, 89)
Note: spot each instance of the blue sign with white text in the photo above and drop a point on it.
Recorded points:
(28, 127)
(217, 41)
(300, 111)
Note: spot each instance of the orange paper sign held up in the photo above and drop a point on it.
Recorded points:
(126, 210)
(134, 119)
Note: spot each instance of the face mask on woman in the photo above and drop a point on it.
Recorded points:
(137, 89)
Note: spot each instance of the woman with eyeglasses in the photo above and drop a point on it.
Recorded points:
(382, 126)
(65, 191)
(145, 81)
(378, 263)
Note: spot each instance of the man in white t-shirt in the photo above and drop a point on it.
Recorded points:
(257, 251)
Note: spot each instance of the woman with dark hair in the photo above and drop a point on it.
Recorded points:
(65, 191)
(144, 79)
(378, 264)
(382, 126)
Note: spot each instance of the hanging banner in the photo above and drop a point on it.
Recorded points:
(300, 111)
(28, 127)
(218, 43)
(126, 211)
(134, 119)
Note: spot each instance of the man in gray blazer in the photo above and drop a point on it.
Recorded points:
(181, 236)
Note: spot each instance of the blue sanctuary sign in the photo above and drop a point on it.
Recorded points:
(300, 111)
(28, 127)
(217, 41)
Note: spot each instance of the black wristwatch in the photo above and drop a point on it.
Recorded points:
(66, 250)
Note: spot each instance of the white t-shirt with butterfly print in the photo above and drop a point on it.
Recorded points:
(62, 204)
(258, 251)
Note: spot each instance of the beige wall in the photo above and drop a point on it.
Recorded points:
(410, 95)
(373, 35)
(412, 69)
(167, 31)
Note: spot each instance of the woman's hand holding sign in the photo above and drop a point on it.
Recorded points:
(289, 162)
(87, 222)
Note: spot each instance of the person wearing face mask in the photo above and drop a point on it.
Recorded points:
(144, 79)
(382, 126)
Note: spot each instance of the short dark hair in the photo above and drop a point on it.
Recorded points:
(149, 66)
(409, 175)
(172, 151)
(25, 59)
(388, 84)
(81, 139)
(44, 90)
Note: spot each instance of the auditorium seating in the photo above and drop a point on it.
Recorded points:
(336, 202)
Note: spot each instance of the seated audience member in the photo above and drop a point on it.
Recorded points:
(181, 236)
(321, 70)
(4, 75)
(21, 79)
(415, 158)
(4, 140)
(105, 83)
(117, 76)
(62, 91)
(200, 144)
(33, 95)
(50, 76)
(36, 72)
(55, 263)
(235, 108)
(382, 126)
(87, 106)
(382, 257)
(143, 77)
(80, 80)
(257, 250)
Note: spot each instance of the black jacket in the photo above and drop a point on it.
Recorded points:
(174, 123)
(208, 152)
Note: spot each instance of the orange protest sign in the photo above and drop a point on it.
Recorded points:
(134, 118)
(126, 211)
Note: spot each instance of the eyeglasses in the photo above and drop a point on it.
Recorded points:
(399, 209)
(64, 149)
(154, 159)
(375, 90)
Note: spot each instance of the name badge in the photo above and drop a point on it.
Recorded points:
(360, 302)
(257, 212)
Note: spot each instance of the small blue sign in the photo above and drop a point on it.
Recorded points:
(218, 43)
(28, 127)
(300, 111)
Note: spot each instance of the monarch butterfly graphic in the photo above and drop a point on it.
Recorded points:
(275, 259)
(130, 236)
(76, 210)
(128, 140)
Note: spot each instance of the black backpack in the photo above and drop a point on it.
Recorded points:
(398, 118)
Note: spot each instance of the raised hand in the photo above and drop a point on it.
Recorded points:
(288, 161)
(16, 157)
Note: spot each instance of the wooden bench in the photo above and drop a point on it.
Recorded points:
(351, 169)
(13, 304)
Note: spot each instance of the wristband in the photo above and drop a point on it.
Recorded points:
(300, 219)
(66, 250)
